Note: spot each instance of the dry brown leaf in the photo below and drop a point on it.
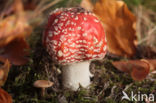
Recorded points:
(16, 52)
(137, 68)
(140, 70)
(4, 70)
(13, 31)
(13, 27)
(16, 7)
(5, 97)
(151, 62)
(119, 24)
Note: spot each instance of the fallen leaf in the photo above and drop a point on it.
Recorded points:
(119, 24)
(16, 7)
(5, 97)
(4, 70)
(13, 31)
(140, 71)
(13, 27)
(137, 68)
(151, 62)
(16, 52)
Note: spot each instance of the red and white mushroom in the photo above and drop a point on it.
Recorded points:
(73, 37)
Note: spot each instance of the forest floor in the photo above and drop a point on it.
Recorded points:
(107, 82)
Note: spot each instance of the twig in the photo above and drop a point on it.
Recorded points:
(150, 32)
(46, 70)
(145, 17)
(39, 6)
(128, 86)
(112, 92)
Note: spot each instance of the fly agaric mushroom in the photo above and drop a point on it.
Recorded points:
(43, 84)
(73, 37)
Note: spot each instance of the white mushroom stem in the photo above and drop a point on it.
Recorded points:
(76, 74)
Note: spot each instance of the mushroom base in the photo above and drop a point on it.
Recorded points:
(76, 74)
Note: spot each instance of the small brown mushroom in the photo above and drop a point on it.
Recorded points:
(43, 84)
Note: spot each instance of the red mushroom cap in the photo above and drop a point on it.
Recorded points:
(74, 35)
